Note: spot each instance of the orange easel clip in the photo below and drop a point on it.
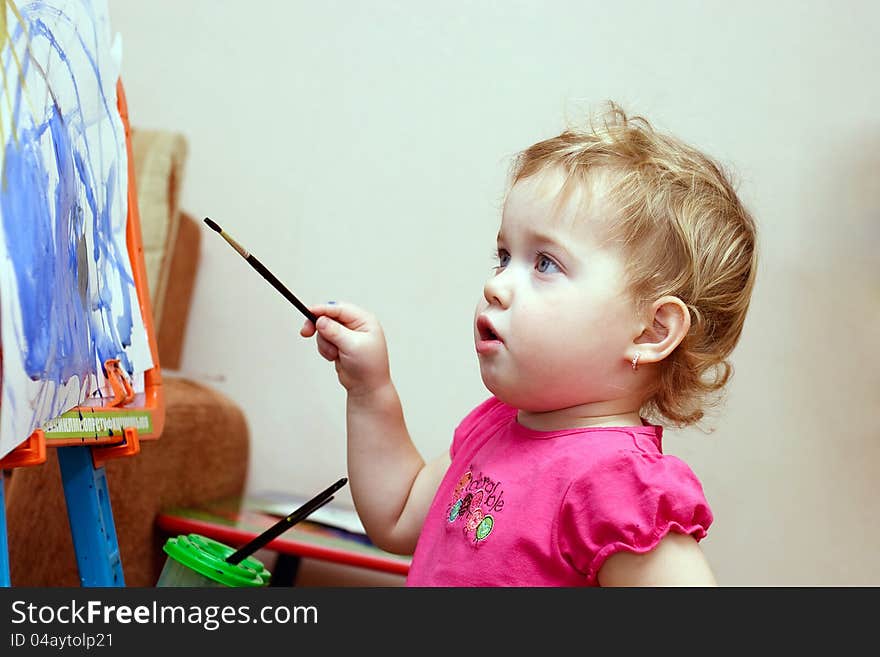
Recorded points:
(31, 452)
(123, 393)
(129, 447)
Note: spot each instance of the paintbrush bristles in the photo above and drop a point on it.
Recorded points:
(235, 245)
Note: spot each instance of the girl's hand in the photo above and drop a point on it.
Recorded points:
(353, 339)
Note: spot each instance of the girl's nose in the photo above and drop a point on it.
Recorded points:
(498, 289)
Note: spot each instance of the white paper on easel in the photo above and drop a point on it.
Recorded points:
(67, 293)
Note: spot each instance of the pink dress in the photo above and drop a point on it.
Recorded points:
(519, 507)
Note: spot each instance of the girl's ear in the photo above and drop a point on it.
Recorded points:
(670, 321)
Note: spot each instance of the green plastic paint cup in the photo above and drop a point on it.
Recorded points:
(195, 560)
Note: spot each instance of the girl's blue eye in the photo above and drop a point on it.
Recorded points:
(545, 264)
(503, 258)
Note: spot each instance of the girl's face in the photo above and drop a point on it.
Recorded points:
(555, 319)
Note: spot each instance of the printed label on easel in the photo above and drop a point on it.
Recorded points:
(75, 424)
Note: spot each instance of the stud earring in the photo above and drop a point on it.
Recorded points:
(635, 361)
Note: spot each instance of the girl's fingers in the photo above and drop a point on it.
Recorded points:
(347, 314)
(336, 327)
(308, 329)
(335, 333)
(327, 349)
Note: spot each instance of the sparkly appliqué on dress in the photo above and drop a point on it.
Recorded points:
(474, 503)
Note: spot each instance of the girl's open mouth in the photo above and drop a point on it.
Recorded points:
(488, 339)
(486, 330)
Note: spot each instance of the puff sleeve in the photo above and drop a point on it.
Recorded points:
(629, 501)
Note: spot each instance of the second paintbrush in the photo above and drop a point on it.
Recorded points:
(284, 524)
(265, 273)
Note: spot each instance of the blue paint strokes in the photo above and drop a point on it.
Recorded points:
(55, 347)
(113, 265)
(67, 326)
(107, 346)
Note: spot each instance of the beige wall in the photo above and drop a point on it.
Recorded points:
(359, 150)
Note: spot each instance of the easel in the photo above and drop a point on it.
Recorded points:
(89, 435)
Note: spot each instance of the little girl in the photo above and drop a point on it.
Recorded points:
(625, 267)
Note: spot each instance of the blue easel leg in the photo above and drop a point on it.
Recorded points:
(91, 518)
(4, 544)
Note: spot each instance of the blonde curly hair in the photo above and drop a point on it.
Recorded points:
(684, 232)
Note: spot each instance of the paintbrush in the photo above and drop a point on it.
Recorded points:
(265, 273)
(284, 524)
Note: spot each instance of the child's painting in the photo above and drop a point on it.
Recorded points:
(67, 293)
